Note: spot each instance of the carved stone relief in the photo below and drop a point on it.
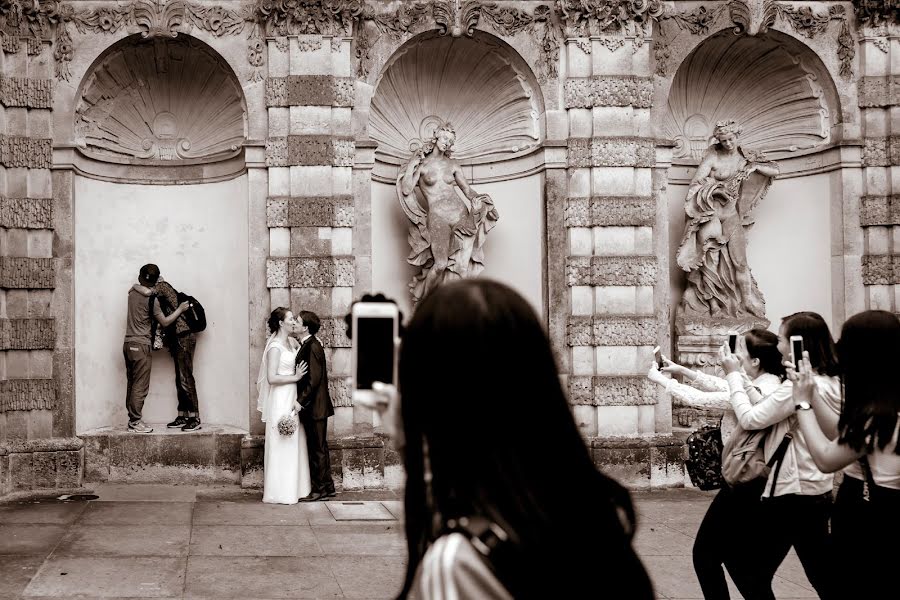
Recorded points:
(736, 77)
(466, 81)
(163, 99)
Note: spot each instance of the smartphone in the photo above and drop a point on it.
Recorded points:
(796, 350)
(375, 326)
(657, 353)
(732, 342)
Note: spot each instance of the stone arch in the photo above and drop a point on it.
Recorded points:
(777, 88)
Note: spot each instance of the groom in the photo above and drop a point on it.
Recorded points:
(315, 406)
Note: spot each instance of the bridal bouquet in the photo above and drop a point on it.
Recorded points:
(287, 425)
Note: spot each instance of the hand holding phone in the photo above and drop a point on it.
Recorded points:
(796, 351)
(373, 353)
(657, 354)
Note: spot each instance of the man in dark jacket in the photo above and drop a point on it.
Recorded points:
(314, 405)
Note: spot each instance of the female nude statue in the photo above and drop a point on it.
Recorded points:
(727, 186)
(445, 235)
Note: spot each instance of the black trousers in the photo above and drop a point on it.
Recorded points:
(802, 522)
(727, 535)
(319, 459)
(859, 527)
(138, 363)
(182, 350)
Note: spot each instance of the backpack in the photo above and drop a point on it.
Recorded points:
(195, 316)
(743, 459)
(704, 461)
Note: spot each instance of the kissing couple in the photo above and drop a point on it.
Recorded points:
(295, 406)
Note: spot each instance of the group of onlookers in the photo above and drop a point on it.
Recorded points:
(835, 410)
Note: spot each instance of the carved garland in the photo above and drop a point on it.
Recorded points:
(802, 19)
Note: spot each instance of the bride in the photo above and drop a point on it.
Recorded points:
(286, 459)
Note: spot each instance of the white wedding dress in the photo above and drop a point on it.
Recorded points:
(286, 469)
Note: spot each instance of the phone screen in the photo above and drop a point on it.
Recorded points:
(374, 338)
(797, 350)
(732, 342)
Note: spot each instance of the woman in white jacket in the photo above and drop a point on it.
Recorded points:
(716, 543)
(797, 498)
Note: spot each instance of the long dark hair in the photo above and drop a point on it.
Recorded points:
(762, 344)
(817, 340)
(483, 406)
(868, 354)
(275, 318)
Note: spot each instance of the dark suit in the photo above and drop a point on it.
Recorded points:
(313, 396)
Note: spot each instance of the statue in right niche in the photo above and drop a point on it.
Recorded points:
(722, 195)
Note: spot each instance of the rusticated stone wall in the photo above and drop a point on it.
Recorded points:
(879, 204)
(36, 450)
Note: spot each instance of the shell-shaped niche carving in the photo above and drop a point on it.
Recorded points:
(769, 88)
(164, 99)
(470, 83)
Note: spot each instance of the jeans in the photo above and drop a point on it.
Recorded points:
(138, 363)
(182, 350)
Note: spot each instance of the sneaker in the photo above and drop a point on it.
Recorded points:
(192, 424)
(177, 423)
(139, 427)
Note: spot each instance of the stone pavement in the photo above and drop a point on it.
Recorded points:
(156, 541)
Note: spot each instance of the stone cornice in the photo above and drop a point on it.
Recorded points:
(335, 271)
(611, 331)
(310, 90)
(26, 213)
(316, 211)
(598, 211)
(611, 270)
(27, 273)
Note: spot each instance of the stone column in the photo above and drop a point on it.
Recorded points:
(38, 449)
(879, 206)
(616, 313)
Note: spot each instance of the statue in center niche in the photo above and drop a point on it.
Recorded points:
(446, 234)
(722, 195)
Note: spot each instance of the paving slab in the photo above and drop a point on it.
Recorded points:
(104, 577)
(46, 513)
(369, 576)
(243, 513)
(362, 539)
(359, 511)
(257, 540)
(16, 572)
(656, 539)
(29, 538)
(137, 513)
(139, 492)
(125, 540)
(213, 577)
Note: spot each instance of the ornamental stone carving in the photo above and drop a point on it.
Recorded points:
(707, 89)
(27, 93)
(612, 90)
(614, 211)
(26, 213)
(163, 99)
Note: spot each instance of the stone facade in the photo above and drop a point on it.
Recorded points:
(306, 74)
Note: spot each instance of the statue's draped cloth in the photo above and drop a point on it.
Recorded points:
(714, 245)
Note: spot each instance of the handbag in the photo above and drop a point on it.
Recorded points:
(704, 461)
(157, 341)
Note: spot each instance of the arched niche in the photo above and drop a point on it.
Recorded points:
(160, 177)
(785, 100)
(486, 90)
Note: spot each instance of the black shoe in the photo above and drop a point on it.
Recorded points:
(330, 494)
(192, 424)
(177, 423)
(312, 497)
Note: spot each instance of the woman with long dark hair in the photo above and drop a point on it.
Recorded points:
(797, 496)
(496, 466)
(734, 505)
(867, 508)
